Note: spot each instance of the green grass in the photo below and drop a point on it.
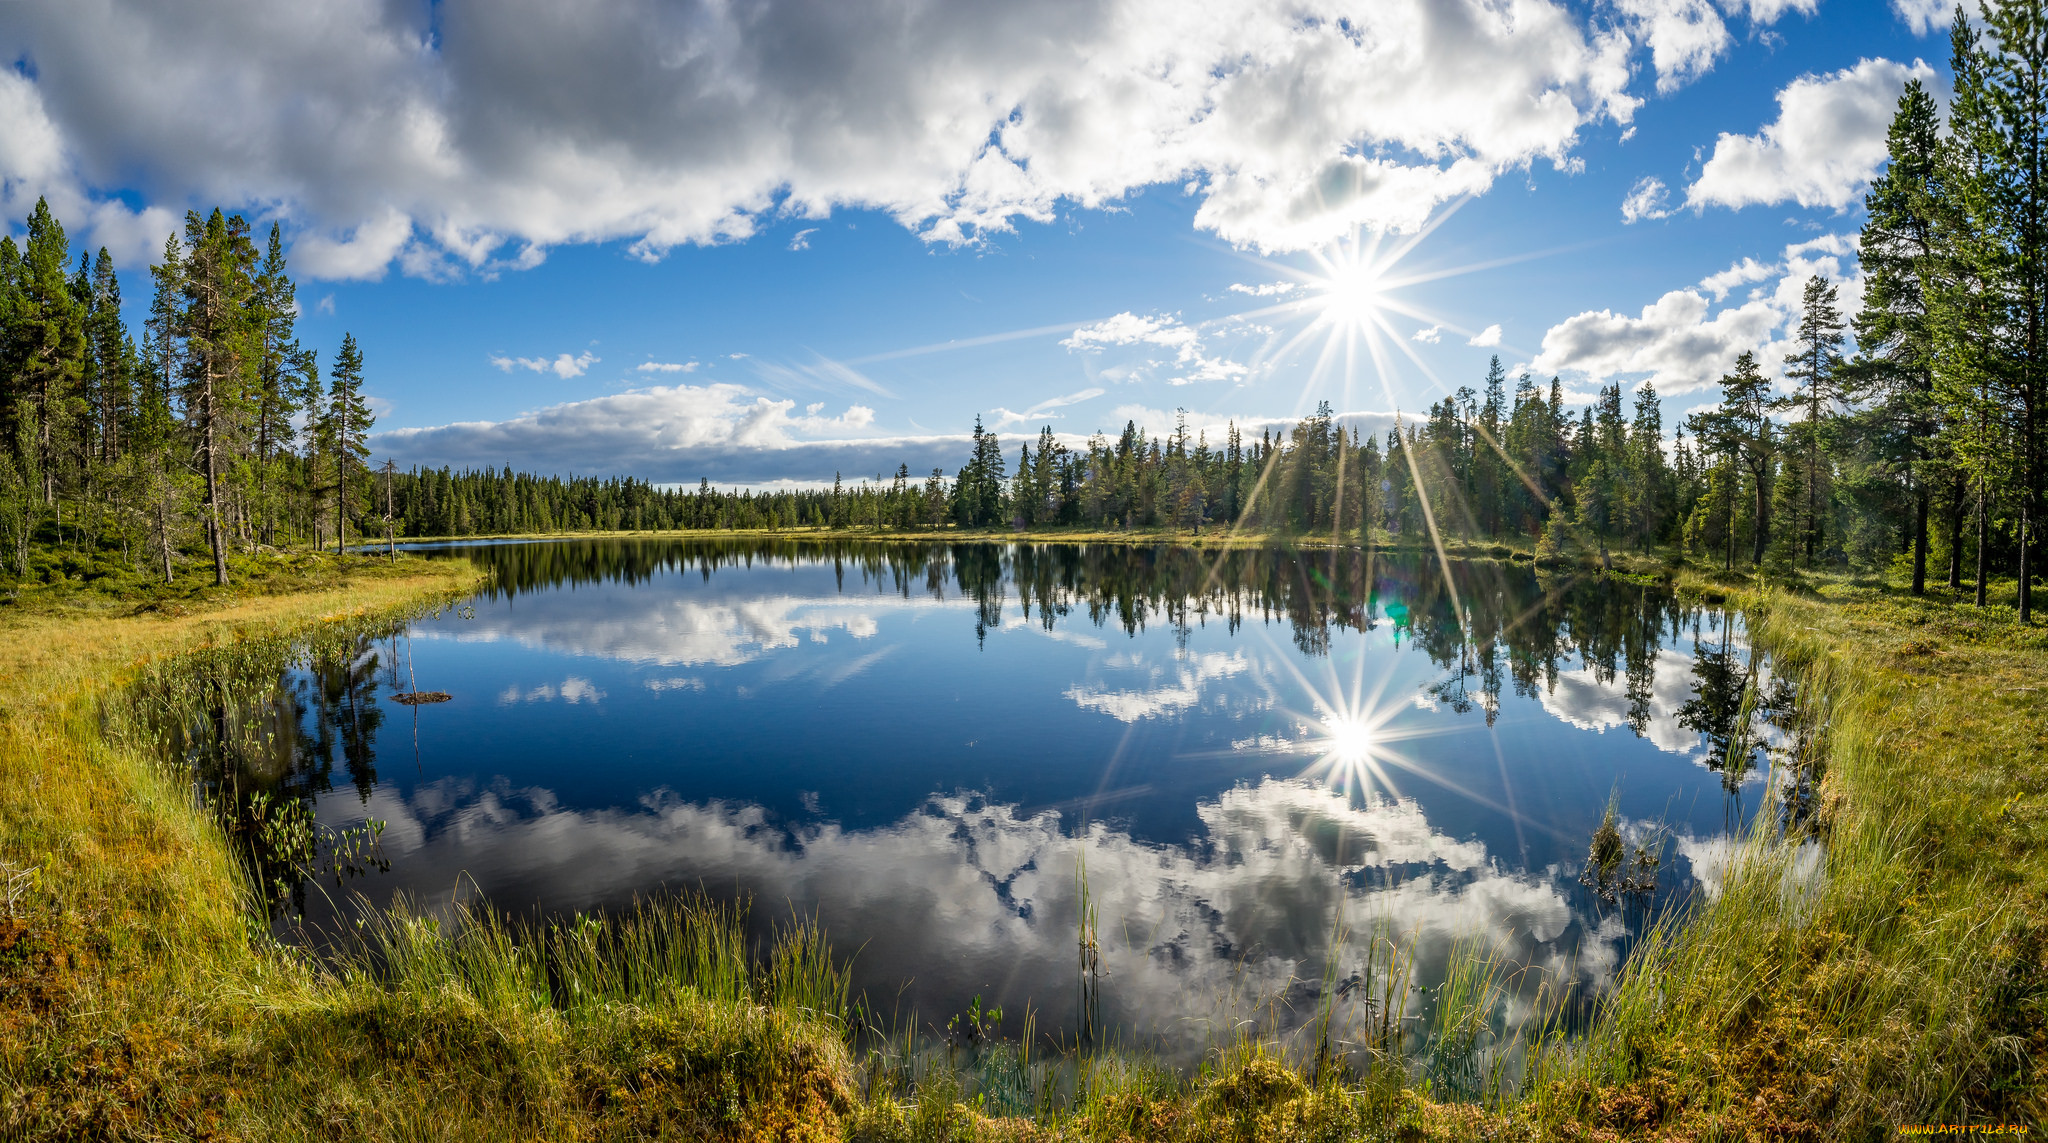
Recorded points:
(1885, 964)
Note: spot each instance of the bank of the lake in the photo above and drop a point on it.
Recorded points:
(1893, 973)
(1888, 964)
(1213, 538)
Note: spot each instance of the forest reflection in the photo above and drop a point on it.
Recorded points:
(950, 886)
(1487, 624)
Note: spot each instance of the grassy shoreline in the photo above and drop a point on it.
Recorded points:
(1906, 981)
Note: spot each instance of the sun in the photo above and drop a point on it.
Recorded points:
(1346, 738)
(1350, 296)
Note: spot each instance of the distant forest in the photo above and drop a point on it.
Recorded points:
(212, 428)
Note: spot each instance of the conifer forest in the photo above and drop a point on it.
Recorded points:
(1905, 435)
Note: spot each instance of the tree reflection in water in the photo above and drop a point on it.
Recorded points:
(303, 724)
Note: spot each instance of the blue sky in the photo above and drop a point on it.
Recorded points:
(778, 240)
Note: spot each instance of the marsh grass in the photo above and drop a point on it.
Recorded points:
(1883, 963)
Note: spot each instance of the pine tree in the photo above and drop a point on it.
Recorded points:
(346, 425)
(45, 347)
(1815, 371)
(217, 328)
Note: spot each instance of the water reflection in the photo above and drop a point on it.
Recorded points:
(919, 742)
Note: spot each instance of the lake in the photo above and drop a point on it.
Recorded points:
(1262, 759)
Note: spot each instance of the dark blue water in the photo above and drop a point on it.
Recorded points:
(1262, 756)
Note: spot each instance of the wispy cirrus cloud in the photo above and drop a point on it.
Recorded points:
(1044, 409)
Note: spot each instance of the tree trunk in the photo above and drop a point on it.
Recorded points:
(1983, 548)
(1757, 539)
(163, 530)
(1956, 505)
(341, 498)
(214, 538)
(1920, 538)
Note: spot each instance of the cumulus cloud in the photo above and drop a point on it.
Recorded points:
(1489, 336)
(1681, 342)
(1740, 274)
(1685, 37)
(1923, 16)
(572, 690)
(472, 136)
(723, 432)
(1431, 334)
(720, 629)
(1649, 198)
(1164, 697)
(563, 365)
(1200, 939)
(1130, 329)
(1265, 289)
(1190, 363)
(1823, 149)
(802, 239)
(666, 367)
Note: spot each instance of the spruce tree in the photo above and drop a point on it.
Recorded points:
(1901, 267)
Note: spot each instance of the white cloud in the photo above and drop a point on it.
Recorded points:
(1823, 149)
(1164, 698)
(717, 630)
(1740, 274)
(1201, 939)
(1130, 329)
(364, 255)
(1923, 16)
(666, 367)
(678, 683)
(1431, 334)
(802, 240)
(725, 432)
(1685, 37)
(325, 305)
(572, 690)
(563, 365)
(1265, 289)
(1191, 364)
(1486, 337)
(1768, 11)
(1681, 343)
(1649, 198)
(471, 136)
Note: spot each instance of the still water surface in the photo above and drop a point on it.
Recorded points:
(1261, 755)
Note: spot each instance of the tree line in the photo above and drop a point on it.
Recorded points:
(213, 431)
(1920, 449)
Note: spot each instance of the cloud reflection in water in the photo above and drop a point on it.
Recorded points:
(982, 898)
